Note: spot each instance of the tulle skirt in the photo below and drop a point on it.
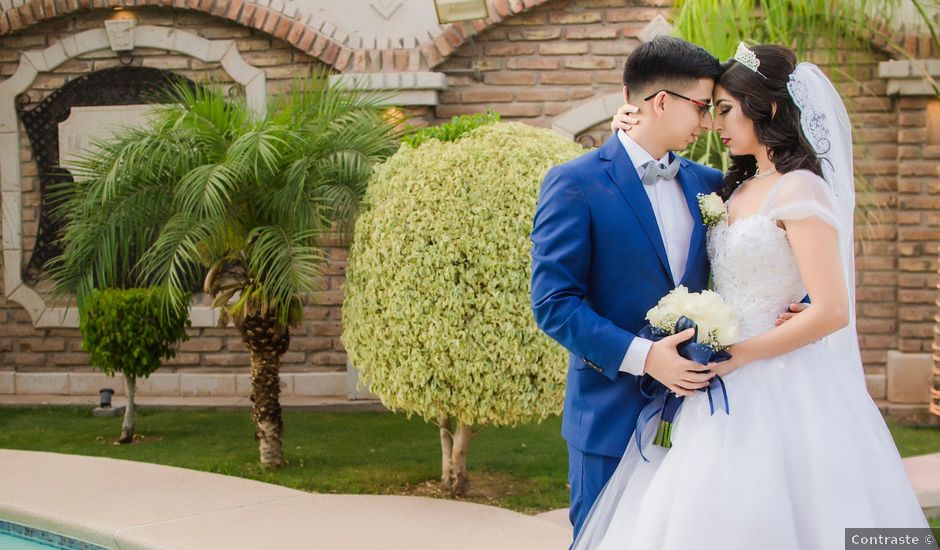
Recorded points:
(803, 455)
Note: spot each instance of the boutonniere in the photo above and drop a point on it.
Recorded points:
(712, 208)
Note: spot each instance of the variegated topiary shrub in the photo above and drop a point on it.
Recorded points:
(437, 313)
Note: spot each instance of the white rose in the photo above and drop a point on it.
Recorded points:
(727, 334)
(716, 320)
(712, 208)
(665, 313)
(719, 326)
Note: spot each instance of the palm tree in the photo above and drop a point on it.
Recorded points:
(207, 185)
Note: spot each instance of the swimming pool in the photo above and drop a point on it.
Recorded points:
(14, 536)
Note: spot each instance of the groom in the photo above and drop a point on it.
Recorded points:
(615, 230)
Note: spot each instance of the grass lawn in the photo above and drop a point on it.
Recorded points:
(522, 468)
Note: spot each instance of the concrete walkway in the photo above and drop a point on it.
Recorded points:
(128, 505)
(924, 471)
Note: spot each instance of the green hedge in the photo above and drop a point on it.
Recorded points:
(126, 332)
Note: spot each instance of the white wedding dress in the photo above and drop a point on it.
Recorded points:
(804, 452)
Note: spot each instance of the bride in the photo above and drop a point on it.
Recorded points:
(804, 453)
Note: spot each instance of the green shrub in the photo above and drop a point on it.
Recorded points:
(127, 331)
(451, 131)
(124, 332)
(436, 311)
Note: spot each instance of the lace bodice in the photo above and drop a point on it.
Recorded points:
(753, 265)
(754, 270)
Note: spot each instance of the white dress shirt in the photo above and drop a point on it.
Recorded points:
(675, 226)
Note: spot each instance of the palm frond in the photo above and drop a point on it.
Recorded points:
(208, 189)
(259, 151)
(111, 215)
(344, 177)
(204, 113)
(171, 262)
(804, 25)
(284, 266)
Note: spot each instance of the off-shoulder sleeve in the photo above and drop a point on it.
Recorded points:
(799, 195)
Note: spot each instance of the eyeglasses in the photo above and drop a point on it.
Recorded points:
(703, 107)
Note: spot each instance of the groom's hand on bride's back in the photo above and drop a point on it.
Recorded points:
(790, 313)
(677, 373)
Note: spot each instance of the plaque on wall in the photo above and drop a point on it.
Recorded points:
(85, 125)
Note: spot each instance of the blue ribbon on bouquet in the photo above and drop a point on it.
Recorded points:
(653, 389)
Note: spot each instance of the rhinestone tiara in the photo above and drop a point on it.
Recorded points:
(748, 58)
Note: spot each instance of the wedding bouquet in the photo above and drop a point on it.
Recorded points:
(716, 328)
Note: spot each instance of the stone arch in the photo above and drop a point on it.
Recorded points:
(283, 20)
(34, 62)
(588, 114)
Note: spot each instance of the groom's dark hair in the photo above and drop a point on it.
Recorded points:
(666, 62)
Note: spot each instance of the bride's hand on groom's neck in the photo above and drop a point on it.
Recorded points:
(681, 376)
(622, 119)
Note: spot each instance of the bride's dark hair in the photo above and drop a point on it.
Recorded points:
(778, 130)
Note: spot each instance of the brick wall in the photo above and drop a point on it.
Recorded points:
(534, 66)
(899, 229)
(314, 347)
(918, 225)
(875, 125)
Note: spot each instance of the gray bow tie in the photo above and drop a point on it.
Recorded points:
(656, 171)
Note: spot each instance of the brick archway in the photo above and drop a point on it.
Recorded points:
(34, 62)
(281, 20)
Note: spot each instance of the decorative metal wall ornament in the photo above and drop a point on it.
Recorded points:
(114, 86)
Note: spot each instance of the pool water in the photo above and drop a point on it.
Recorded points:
(11, 542)
(14, 536)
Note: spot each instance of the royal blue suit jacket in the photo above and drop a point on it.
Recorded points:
(598, 265)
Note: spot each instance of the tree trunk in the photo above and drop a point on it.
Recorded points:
(127, 428)
(454, 448)
(266, 342)
(447, 447)
(266, 408)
